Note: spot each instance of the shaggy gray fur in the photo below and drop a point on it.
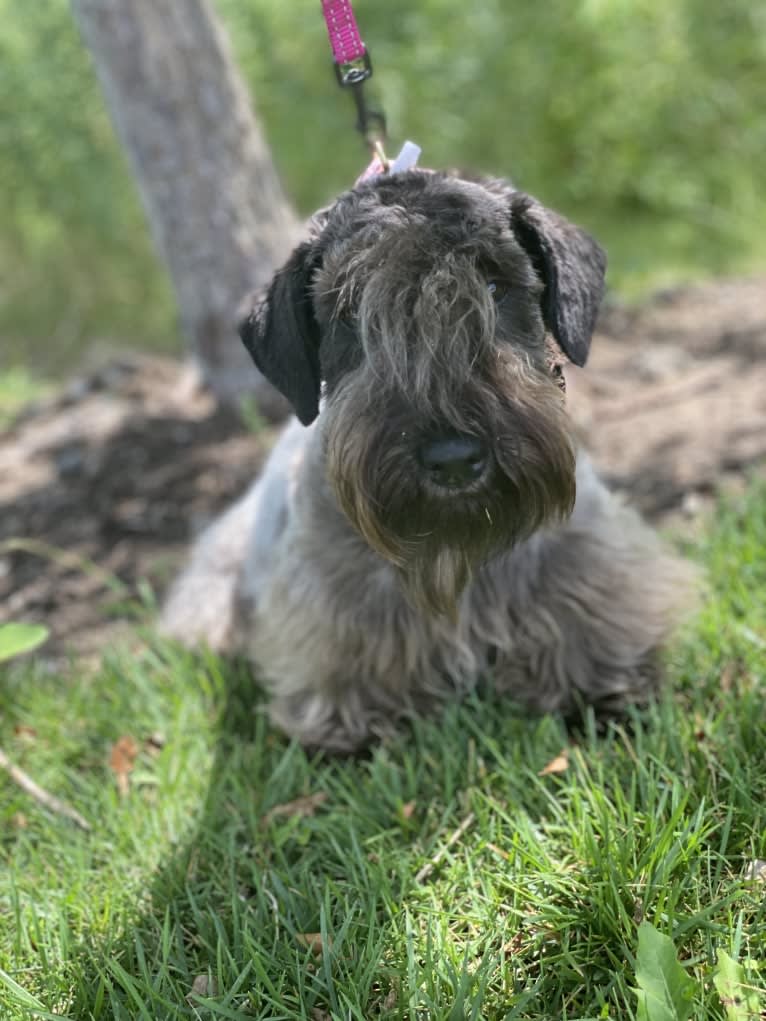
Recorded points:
(367, 573)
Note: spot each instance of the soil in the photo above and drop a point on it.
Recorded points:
(103, 486)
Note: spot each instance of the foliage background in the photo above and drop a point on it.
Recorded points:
(642, 119)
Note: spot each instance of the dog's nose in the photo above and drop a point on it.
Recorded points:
(454, 461)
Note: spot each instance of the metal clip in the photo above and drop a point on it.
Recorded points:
(354, 72)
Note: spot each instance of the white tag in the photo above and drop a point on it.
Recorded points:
(407, 158)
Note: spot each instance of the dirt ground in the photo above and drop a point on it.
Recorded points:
(116, 473)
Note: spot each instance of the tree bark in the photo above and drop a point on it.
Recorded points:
(216, 208)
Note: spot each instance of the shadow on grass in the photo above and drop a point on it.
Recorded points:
(296, 893)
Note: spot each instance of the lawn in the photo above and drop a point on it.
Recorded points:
(229, 875)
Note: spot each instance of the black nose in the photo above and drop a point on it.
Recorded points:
(454, 461)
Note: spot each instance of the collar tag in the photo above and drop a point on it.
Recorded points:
(406, 160)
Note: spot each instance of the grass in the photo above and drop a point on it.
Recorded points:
(193, 898)
(17, 388)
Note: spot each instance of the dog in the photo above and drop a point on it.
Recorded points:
(427, 519)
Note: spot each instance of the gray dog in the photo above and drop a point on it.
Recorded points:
(434, 522)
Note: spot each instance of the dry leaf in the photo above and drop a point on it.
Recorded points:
(699, 728)
(121, 760)
(25, 733)
(408, 809)
(317, 1014)
(392, 998)
(203, 985)
(514, 945)
(312, 940)
(558, 765)
(302, 807)
(20, 821)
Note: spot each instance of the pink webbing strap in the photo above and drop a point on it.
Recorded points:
(347, 45)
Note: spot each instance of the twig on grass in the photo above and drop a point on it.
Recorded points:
(50, 801)
(429, 866)
(498, 851)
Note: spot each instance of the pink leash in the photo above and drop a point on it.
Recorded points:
(353, 67)
(352, 62)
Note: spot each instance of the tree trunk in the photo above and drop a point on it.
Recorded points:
(215, 205)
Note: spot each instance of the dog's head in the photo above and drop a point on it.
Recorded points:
(418, 310)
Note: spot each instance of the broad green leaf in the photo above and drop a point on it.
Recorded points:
(665, 990)
(16, 639)
(740, 1003)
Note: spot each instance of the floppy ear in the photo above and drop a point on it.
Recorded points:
(571, 266)
(282, 334)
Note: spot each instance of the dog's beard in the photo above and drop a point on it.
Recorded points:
(436, 538)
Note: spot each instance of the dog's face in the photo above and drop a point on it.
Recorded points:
(419, 310)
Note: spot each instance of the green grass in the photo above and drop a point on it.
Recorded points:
(17, 388)
(533, 913)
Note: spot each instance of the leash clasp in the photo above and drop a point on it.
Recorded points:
(371, 124)
(355, 71)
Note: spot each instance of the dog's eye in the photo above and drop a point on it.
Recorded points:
(497, 290)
